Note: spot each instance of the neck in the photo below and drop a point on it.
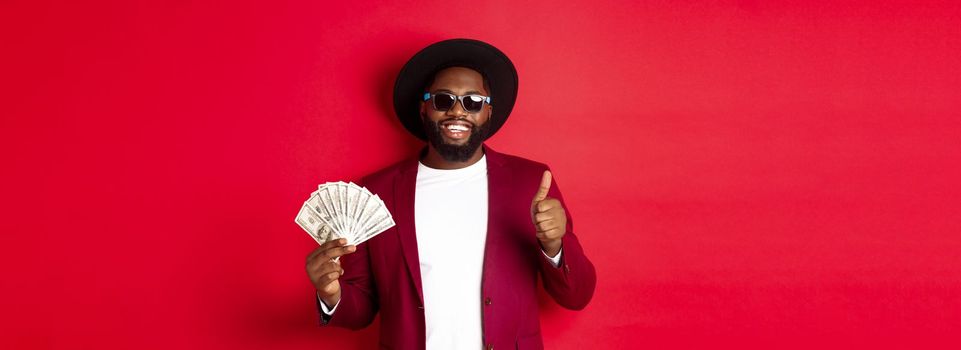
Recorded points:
(434, 160)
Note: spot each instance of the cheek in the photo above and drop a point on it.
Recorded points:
(485, 116)
(427, 113)
(433, 115)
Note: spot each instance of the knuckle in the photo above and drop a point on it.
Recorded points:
(329, 289)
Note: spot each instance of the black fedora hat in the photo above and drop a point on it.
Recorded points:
(420, 69)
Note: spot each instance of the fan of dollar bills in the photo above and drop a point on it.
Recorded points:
(343, 210)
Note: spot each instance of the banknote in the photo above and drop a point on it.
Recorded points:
(344, 210)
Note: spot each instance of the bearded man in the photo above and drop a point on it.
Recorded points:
(475, 227)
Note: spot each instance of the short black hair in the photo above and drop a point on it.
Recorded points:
(472, 67)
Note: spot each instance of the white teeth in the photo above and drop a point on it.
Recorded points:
(455, 127)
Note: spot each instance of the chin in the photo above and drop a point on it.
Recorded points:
(456, 142)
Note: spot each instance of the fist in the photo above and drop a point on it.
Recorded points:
(324, 271)
(549, 217)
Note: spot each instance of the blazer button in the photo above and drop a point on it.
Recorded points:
(487, 301)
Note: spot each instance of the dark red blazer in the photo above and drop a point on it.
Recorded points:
(383, 275)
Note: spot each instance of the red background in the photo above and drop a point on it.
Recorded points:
(742, 173)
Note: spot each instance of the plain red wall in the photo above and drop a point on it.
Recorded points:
(746, 174)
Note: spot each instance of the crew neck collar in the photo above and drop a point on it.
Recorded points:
(479, 165)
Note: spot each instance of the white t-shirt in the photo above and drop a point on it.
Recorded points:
(450, 215)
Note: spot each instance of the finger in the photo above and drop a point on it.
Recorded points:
(327, 245)
(551, 234)
(545, 186)
(549, 228)
(335, 243)
(321, 266)
(541, 217)
(315, 252)
(320, 254)
(340, 251)
(546, 205)
(330, 254)
(327, 279)
(547, 225)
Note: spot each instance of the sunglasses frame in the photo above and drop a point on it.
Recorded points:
(433, 104)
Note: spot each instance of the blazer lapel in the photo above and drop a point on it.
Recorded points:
(404, 186)
(496, 177)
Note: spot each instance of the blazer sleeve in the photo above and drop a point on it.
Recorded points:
(358, 297)
(572, 283)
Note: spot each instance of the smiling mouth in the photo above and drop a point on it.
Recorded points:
(456, 130)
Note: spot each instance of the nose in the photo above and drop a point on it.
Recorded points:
(457, 109)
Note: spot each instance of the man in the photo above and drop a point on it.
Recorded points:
(474, 228)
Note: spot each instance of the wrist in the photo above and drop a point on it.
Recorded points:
(551, 247)
(330, 300)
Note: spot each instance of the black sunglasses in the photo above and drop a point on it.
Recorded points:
(443, 101)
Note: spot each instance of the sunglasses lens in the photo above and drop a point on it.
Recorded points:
(443, 102)
(473, 103)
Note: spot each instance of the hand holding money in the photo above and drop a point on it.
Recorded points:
(325, 271)
(549, 217)
(339, 216)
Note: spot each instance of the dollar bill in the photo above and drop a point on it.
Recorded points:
(344, 210)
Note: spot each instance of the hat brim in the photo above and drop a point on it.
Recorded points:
(492, 63)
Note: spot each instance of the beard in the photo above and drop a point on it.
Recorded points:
(452, 152)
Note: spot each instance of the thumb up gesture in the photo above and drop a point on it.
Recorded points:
(548, 217)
